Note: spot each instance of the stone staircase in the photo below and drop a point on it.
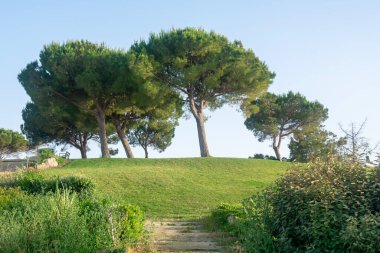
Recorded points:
(185, 236)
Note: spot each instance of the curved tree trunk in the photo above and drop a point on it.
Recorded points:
(276, 147)
(202, 135)
(124, 140)
(146, 152)
(277, 152)
(197, 111)
(101, 118)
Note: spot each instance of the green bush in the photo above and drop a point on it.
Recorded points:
(46, 153)
(10, 198)
(326, 207)
(63, 222)
(35, 183)
(130, 219)
(226, 216)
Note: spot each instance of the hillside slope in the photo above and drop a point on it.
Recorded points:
(182, 187)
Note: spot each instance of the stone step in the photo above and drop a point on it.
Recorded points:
(174, 223)
(184, 236)
(175, 236)
(180, 246)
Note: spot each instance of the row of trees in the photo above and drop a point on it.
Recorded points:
(82, 91)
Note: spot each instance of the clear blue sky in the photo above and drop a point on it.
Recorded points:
(327, 50)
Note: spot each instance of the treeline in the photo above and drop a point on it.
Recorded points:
(83, 91)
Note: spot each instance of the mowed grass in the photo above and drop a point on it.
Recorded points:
(182, 187)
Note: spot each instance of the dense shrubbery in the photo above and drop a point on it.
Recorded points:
(61, 220)
(328, 207)
(34, 183)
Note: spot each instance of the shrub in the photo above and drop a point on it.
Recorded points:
(63, 222)
(34, 183)
(46, 153)
(326, 207)
(226, 216)
(10, 198)
(130, 220)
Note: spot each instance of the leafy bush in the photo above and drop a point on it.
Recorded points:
(327, 207)
(35, 183)
(130, 220)
(226, 215)
(63, 222)
(10, 198)
(46, 153)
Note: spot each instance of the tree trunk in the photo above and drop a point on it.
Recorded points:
(124, 140)
(83, 152)
(202, 135)
(146, 152)
(276, 147)
(101, 118)
(277, 152)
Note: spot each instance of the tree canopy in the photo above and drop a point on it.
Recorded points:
(63, 124)
(11, 142)
(106, 83)
(206, 69)
(312, 145)
(273, 117)
(157, 134)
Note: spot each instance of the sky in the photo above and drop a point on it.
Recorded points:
(328, 50)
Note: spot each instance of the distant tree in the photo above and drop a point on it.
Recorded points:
(308, 146)
(157, 134)
(11, 142)
(258, 156)
(206, 69)
(156, 128)
(357, 146)
(274, 117)
(63, 124)
(262, 156)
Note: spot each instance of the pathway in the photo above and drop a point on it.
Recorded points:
(185, 236)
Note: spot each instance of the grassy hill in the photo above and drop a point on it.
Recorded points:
(183, 187)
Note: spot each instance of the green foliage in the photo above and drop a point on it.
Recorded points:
(130, 220)
(98, 81)
(227, 216)
(35, 183)
(206, 69)
(151, 132)
(205, 65)
(10, 197)
(318, 144)
(262, 156)
(62, 222)
(45, 153)
(327, 207)
(274, 117)
(58, 123)
(11, 142)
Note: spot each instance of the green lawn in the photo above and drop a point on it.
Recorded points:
(183, 187)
